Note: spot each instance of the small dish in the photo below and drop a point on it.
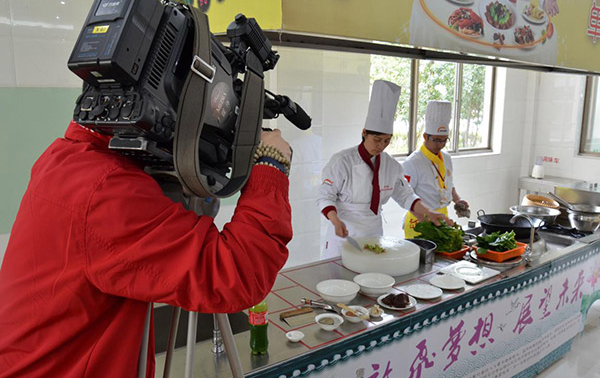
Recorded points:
(376, 311)
(360, 311)
(447, 282)
(412, 303)
(294, 336)
(424, 291)
(336, 319)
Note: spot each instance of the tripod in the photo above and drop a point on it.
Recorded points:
(223, 339)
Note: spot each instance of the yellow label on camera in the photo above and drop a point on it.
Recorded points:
(100, 29)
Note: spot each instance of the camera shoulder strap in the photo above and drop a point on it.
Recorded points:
(190, 121)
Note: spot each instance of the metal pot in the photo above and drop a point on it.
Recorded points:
(577, 207)
(546, 214)
(501, 222)
(582, 221)
(427, 250)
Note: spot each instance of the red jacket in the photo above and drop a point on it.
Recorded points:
(95, 239)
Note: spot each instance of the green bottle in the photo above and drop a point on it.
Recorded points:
(259, 321)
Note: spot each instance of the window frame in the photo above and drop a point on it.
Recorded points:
(413, 111)
(591, 90)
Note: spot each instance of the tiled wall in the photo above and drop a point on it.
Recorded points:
(333, 87)
(556, 131)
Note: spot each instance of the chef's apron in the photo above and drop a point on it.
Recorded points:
(445, 192)
(410, 221)
(356, 215)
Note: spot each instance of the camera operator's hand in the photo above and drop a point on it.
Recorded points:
(273, 138)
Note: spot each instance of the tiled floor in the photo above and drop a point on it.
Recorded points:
(583, 361)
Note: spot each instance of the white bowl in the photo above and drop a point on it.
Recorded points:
(374, 284)
(337, 321)
(294, 336)
(357, 309)
(338, 291)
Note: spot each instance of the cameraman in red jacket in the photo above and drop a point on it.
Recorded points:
(95, 240)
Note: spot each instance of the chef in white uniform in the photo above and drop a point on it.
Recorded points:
(359, 180)
(429, 169)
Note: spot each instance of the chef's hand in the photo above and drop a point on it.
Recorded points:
(340, 227)
(436, 217)
(424, 213)
(461, 204)
(551, 7)
(274, 138)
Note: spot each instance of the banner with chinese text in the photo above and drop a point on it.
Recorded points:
(550, 33)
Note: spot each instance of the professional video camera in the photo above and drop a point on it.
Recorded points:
(168, 90)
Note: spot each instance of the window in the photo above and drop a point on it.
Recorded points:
(469, 87)
(590, 134)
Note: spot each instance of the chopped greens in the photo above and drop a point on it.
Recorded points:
(374, 248)
(447, 238)
(496, 241)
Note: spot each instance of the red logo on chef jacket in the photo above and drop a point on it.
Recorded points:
(258, 318)
(386, 188)
(407, 177)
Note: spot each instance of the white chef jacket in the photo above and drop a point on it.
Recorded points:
(347, 185)
(422, 176)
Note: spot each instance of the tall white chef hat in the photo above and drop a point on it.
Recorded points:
(382, 107)
(437, 117)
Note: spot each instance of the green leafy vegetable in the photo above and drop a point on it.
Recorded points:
(374, 248)
(496, 241)
(448, 238)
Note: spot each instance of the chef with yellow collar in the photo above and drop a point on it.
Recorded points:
(357, 181)
(429, 169)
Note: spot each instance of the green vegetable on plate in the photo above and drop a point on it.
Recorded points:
(447, 238)
(496, 241)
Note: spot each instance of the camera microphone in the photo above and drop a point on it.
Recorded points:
(278, 104)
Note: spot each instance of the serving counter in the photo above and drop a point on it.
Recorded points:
(513, 324)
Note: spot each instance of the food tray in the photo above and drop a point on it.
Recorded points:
(503, 256)
(456, 254)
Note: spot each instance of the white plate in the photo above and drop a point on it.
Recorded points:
(413, 303)
(470, 272)
(533, 20)
(462, 2)
(424, 291)
(447, 282)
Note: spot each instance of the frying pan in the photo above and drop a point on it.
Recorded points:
(501, 222)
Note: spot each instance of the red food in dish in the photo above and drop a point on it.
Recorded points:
(467, 22)
(524, 35)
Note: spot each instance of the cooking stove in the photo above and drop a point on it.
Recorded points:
(564, 231)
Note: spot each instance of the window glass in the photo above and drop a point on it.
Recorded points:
(437, 81)
(474, 107)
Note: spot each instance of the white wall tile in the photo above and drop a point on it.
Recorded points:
(8, 76)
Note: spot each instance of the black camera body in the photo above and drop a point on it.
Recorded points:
(168, 91)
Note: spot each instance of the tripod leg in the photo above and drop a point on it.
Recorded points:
(230, 348)
(191, 344)
(143, 360)
(172, 339)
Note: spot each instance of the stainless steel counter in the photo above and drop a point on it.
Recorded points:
(299, 282)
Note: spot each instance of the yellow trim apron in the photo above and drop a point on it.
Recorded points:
(410, 221)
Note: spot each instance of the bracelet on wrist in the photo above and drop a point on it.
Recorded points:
(269, 155)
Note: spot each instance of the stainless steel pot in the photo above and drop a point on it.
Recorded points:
(546, 214)
(577, 207)
(582, 221)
